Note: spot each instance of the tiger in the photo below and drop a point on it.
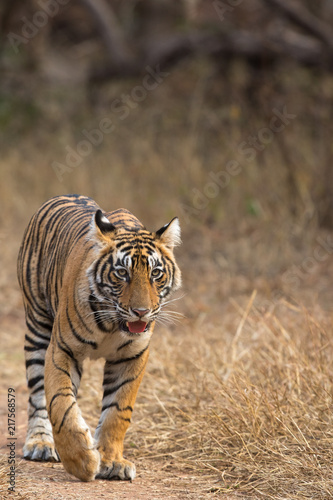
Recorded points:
(93, 285)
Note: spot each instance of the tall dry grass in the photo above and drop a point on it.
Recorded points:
(248, 408)
(240, 404)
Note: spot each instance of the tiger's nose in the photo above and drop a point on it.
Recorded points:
(140, 311)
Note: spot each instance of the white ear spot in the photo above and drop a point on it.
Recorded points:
(105, 220)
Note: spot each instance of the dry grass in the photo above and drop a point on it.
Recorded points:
(255, 412)
(237, 400)
(243, 408)
(19, 493)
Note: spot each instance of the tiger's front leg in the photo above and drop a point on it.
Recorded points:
(71, 434)
(121, 383)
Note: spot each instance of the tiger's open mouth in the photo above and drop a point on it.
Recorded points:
(134, 327)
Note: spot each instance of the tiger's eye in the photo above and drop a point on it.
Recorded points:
(156, 273)
(122, 272)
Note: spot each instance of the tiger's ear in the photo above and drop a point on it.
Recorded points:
(169, 234)
(100, 229)
(103, 224)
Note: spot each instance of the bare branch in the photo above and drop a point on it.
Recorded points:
(110, 31)
(259, 47)
(253, 47)
(305, 19)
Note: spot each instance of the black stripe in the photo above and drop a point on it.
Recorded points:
(30, 362)
(32, 349)
(116, 405)
(132, 358)
(45, 326)
(129, 229)
(98, 321)
(42, 433)
(60, 394)
(110, 380)
(38, 389)
(104, 266)
(39, 416)
(36, 332)
(65, 416)
(32, 403)
(127, 248)
(125, 345)
(77, 336)
(112, 390)
(42, 408)
(81, 233)
(38, 345)
(33, 381)
(30, 297)
(67, 350)
(59, 367)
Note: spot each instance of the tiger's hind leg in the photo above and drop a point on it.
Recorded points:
(39, 443)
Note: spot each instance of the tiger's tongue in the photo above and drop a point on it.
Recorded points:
(136, 326)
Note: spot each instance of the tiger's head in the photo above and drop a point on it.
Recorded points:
(133, 273)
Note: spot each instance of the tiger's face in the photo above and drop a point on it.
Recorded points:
(133, 275)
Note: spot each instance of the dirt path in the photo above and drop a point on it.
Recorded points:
(50, 481)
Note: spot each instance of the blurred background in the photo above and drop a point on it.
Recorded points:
(219, 112)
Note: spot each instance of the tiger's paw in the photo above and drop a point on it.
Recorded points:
(78, 453)
(82, 464)
(40, 451)
(117, 469)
